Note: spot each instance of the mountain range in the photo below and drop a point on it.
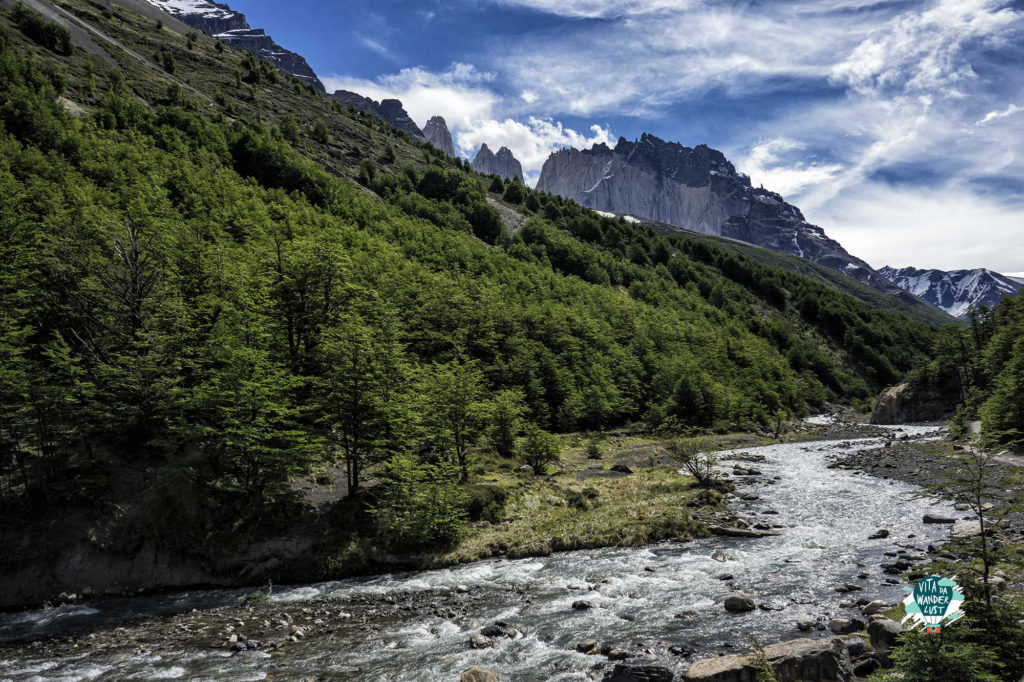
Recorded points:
(955, 291)
(672, 186)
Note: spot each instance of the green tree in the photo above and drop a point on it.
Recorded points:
(359, 397)
(320, 132)
(505, 417)
(513, 192)
(452, 394)
(539, 448)
(288, 128)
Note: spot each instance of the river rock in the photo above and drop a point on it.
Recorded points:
(581, 605)
(880, 534)
(871, 608)
(965, 529)
(811, 660)
(480, 642)
(588, 646)
(849, 587)
(804, 625)
(632, 672)
(856, 646)
(866, 666)
(478, 674)
(724, 555)
(750, 497)
(938, 518)
(883, 634)
(682, 650)
(844, 626)
(739, 603)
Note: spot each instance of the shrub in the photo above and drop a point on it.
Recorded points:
(482, 500)
(46, 33)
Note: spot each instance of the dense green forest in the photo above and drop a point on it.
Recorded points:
(216, 281)
(983, 367)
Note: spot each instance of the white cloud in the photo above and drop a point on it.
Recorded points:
(777, 164)
(531, 142)
(994, 115)
(459, 94)
(941, 228)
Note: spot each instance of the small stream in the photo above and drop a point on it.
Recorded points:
(653, 597)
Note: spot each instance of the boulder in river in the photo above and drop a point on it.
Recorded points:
(581, 605)
(478, 641)
(883, 633)
(880, 534)
(632, 672)
(739, 603)
(871, 608)
(478, 674)
(845, 626)
(812, 660)
(938, 518)
(588, 646)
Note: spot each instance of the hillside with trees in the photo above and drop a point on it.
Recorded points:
(217, 282)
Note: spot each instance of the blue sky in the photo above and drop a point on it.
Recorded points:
(895, 125)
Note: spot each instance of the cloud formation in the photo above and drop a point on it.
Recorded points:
(849, 108)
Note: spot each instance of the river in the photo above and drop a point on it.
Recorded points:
(650, 598)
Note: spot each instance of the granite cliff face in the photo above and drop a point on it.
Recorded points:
(391, 110)
(437, 133)
(955, 291)
(231, 27)
(503, 163)
(697, 189)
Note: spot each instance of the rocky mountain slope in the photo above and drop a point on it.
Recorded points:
(955, 291)
(391, 110)
(698, 189)
(503, 163)
(231, 27)
(437, 133)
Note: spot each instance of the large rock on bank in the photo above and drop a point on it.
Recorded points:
(918, 401)
(808, 660)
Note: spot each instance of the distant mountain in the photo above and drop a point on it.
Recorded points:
(437, 133)
(697, 189)
(503, 163)
(391, 110)
(230, 26)
(955, 291)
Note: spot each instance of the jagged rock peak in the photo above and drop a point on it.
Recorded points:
(955, 291)
(391, 110)
(437, 133)
(231, 27)
(504, 163)
(695, 188)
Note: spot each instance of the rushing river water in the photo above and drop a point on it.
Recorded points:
(825, 516)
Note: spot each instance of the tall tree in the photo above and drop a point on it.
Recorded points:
(452, 393)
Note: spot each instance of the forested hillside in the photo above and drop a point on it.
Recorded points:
(215, 281)
(983, 367)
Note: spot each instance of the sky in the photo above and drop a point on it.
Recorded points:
(897, 125)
